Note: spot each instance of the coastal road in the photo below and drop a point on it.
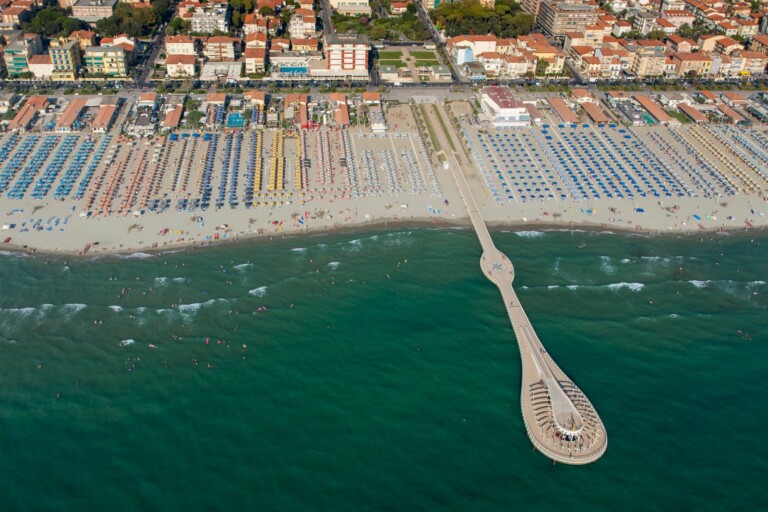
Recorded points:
(559, 418)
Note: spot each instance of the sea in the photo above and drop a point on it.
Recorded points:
(378, 372)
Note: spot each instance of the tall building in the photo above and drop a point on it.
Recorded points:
(556, 17)
(210, 19)
(347, 53)
(18, 52)
(65, 58)
(106, 61)
(531, 7)
(93, 10)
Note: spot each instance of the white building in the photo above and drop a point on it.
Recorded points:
(378, 123)
(210, 19)
(346, 55)
(180, 45)
(180, 66)
(503, 109)
(351, 7)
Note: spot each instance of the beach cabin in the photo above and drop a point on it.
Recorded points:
(28, 113)
(70, 119)
(692, 112)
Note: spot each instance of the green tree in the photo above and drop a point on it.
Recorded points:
(656, 34)
(267, 11)
(505, 19)
(541, 67)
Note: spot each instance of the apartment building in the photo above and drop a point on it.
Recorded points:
(180, 45)
(347, 53)
(92, 11)
(181, 66)
(210, 18)
(351, 7)
(65, 58)
(106, 61)
(557, 17)
(221, 48)
(17, 53)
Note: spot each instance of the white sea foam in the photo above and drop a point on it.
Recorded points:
(755, 283)
(573, 286)
(625, 260)
(116, 309)
(243, 266)
(334, 265)
(674, 315)
(161, 281)
(179, 279)
(699, 284)
(125, 343)
(655, 259)
(261, 291)
(299, 249)
(605, 265)
(529, 234)
(135, 256)
(189, 309)
(394, 239)
(21, 311)
(73, 308)
(14, 254)
(553, 286)
(635, 287)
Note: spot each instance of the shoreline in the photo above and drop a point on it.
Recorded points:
(463, 224)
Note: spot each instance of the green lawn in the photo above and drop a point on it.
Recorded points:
(420, 63)
(396, 63)
(390, 55)
(430, 129)
(425, 55)
(679, 116)
(444, 127)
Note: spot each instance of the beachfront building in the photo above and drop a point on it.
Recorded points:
(692, 64)
(106, 115)
(346, 56)
(17, 53)
(65, 58)
(255, 60)
(92, 11)
(106, 62)
(40, 66)
(503, 109)
(28, 113)
(181, 66)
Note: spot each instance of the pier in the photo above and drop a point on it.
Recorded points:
(559, 418)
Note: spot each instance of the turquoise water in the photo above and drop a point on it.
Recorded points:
(383, 375)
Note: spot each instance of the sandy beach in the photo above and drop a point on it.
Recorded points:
(353, 179)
